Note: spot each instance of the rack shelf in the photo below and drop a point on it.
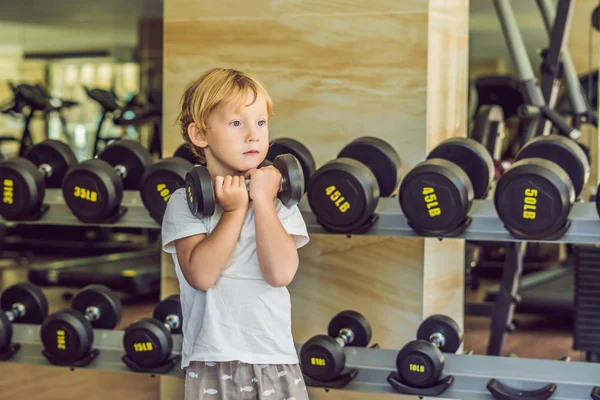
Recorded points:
(573, 380)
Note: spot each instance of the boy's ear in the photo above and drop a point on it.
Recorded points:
(197, 135)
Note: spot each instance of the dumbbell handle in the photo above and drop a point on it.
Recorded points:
(438, 339)
(17, 311)
(92, 313)
(281, 184)
(45, 170)
(121, 170)
(172, 322)
(345, 336)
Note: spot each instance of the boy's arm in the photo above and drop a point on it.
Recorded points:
(202, 257)
(276, 249)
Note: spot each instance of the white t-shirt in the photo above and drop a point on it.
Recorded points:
(241, 317)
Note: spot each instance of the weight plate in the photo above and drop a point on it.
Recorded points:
(472, 158)
(148, 343)
(23, 189)
(354, 321)
(132, 155)
(488, 126)
(92, 190)
(169, 306)
(322, 358)
(6, 331)
(57, 155)
(186, 153)
(200, 192)
(160, 181)
(436, 196)
(534, 197)
(420, 363)
(343, 194)
(298, 150)
(444, 325)
(293, 180)
(562, 151)
(67, 335)
(101, 297)
(380, 157)
(31, 297)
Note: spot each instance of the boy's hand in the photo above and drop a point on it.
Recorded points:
(264, 184)
(231, 193)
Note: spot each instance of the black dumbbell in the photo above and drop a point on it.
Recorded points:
(93, 189)
(25, 179)
(68, 335)
(22, 303)
(437, 194)
(162, 179)
(344, 192)
(200, 191)
(535, 196)
(420, 363)
(148, 342)
(297, 149)
(322, 357)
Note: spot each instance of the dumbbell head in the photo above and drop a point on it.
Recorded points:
(437, 194)
(534, 197)
(160, 181)
(25, 299)
(69, 334)
(420, 363)
(186, 153)
(292, 187)
(148, 342)
(25, 179)
(344, 193)
(322, 357)
(297, 149)
(93, 190)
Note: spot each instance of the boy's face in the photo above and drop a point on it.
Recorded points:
(237, 139)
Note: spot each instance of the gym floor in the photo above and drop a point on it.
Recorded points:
(535, 338)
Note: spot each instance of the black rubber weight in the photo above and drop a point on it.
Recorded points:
(420, 363)
(130, 154)
(56, 154)
(28, 188)
(472, 157)
(562, 151)
(380, 157)
(354, 321)
(30, 296)
(107, 302)
(298, 150)
(444, 325)
(322, 358)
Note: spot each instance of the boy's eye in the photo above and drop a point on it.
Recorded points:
(236, 123)
(262, 123)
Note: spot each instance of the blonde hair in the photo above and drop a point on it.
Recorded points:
(208, 92)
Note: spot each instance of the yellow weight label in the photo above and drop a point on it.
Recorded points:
(417, 368)
(318, 361)
(128, 273)
(61, 340)
(8, 191)
(433, 207)
(164, 191)
(336, 197)
(138, 347)
(86, 194)
(189, 192)
(530, 203)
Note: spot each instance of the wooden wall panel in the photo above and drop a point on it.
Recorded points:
(337, 71)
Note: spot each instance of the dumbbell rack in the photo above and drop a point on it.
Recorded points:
(59, 214)
(471, 374)
(485, 225)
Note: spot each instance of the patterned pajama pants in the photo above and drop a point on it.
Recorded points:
(234, 380)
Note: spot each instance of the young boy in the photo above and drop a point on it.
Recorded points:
(233, 267)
